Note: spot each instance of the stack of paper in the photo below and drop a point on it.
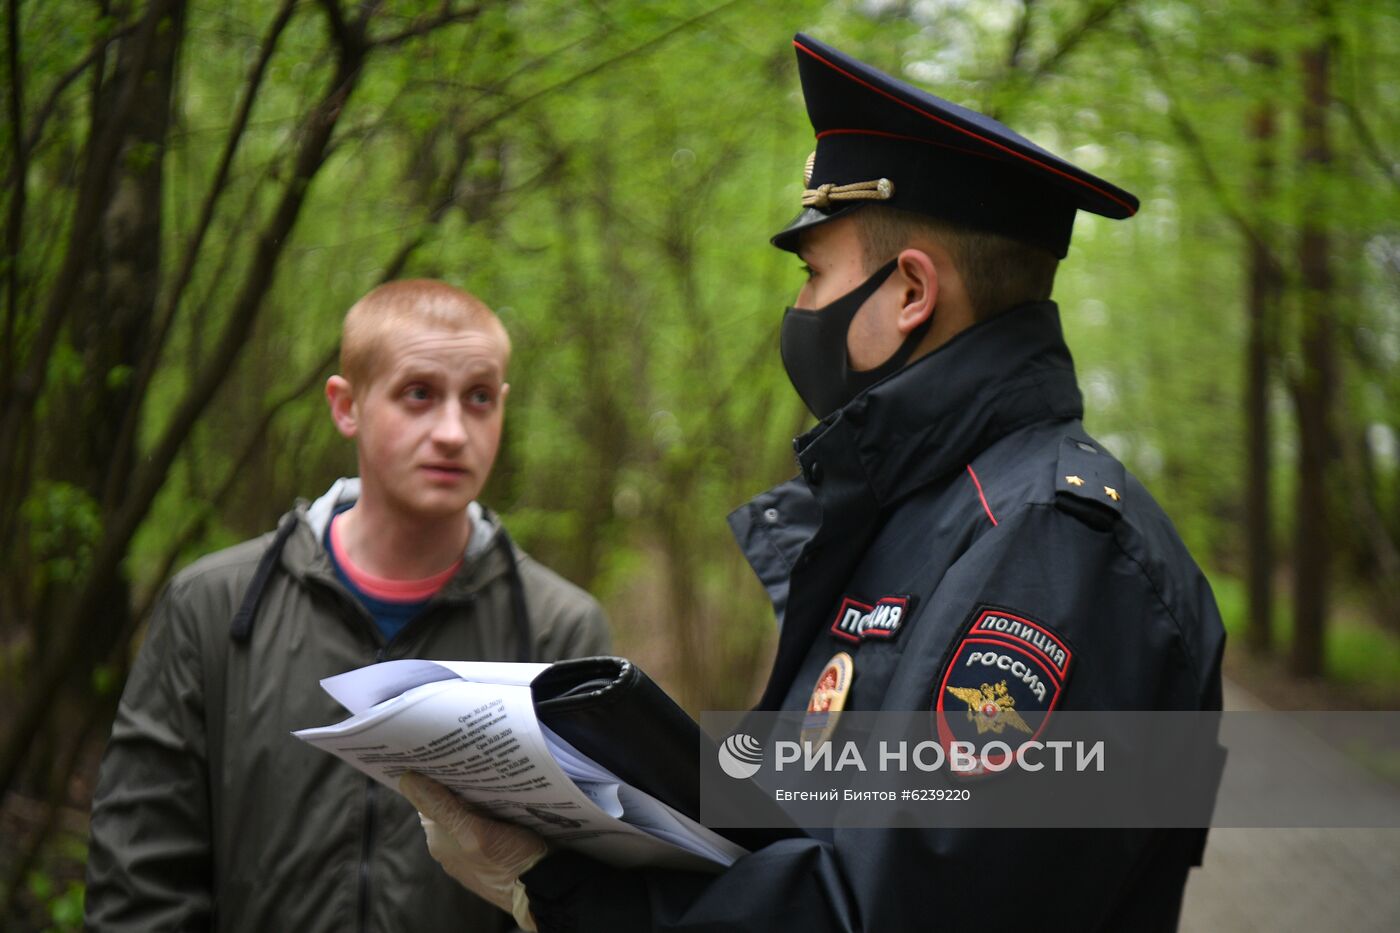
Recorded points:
(472, 727)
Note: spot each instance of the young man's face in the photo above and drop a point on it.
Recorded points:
(429, 425)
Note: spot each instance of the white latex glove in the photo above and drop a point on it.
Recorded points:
(486, 856)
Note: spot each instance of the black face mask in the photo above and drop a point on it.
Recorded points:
(814, 348)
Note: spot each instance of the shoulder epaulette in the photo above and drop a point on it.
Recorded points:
(1089, 483)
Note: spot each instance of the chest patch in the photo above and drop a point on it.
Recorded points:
(1001, 682)
(828, 699)
(857, 621)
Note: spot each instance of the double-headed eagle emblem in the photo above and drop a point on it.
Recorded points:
(992, 708)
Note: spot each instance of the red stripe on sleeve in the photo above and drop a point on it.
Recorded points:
(985, 507)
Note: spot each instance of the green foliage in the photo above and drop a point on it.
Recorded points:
(1361, 656)
(606, 174)
(118, 376)
(141, 156)
(64, 525)
(66, 367)
(104, 680)
(64, 908)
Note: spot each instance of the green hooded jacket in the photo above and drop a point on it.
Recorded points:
(209, 815)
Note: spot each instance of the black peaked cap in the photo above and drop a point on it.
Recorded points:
(939, 159)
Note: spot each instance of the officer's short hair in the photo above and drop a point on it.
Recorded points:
(999, 272)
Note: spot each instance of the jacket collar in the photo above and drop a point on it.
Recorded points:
(938, 413)
(305, 552)
(346, 491)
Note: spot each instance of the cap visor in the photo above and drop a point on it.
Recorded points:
(789, 237)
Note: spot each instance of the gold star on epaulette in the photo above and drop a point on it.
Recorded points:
(1111, 493)
(1074, 480)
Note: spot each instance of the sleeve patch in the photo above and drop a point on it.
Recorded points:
(1001, 682)
(857, 621)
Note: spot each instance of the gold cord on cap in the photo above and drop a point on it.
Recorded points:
(822, 196)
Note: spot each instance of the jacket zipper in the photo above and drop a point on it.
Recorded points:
(371, 786)
(370, 791)
(421, 621)
(367, 850)
(356, 609)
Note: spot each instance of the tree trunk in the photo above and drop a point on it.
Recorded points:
(107, 330)
(94, 194)
(1262, 306)
(1317, 379)
(87, 602)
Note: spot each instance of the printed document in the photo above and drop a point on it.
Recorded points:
(471, 726)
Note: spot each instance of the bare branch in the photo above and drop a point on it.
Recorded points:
(14, 225)
(370, 7)
(1196, 146)
(271, 242)
(552, 55)
(155, 468)
(1019, 36)
(1016, 75)
(341, 30)
(212, 505)
(100, 160)
(1369, 145)
(606, 63)
(50, 104)
(427, 25)
(166, 310)
(1093, 17)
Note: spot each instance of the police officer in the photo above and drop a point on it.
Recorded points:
(950, 502)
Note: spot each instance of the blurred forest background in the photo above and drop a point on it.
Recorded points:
(196, 191)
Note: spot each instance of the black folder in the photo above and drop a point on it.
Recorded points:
(611, 711)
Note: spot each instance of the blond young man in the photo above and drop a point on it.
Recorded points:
(208, 813)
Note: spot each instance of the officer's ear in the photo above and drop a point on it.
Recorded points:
(920, 289)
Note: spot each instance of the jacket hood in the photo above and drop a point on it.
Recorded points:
(305, 555)
(346, 491)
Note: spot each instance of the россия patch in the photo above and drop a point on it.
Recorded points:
(1002, 680)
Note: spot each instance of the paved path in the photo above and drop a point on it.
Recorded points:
(1285, 880)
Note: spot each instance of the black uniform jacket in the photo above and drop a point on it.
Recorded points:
(965, 492)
